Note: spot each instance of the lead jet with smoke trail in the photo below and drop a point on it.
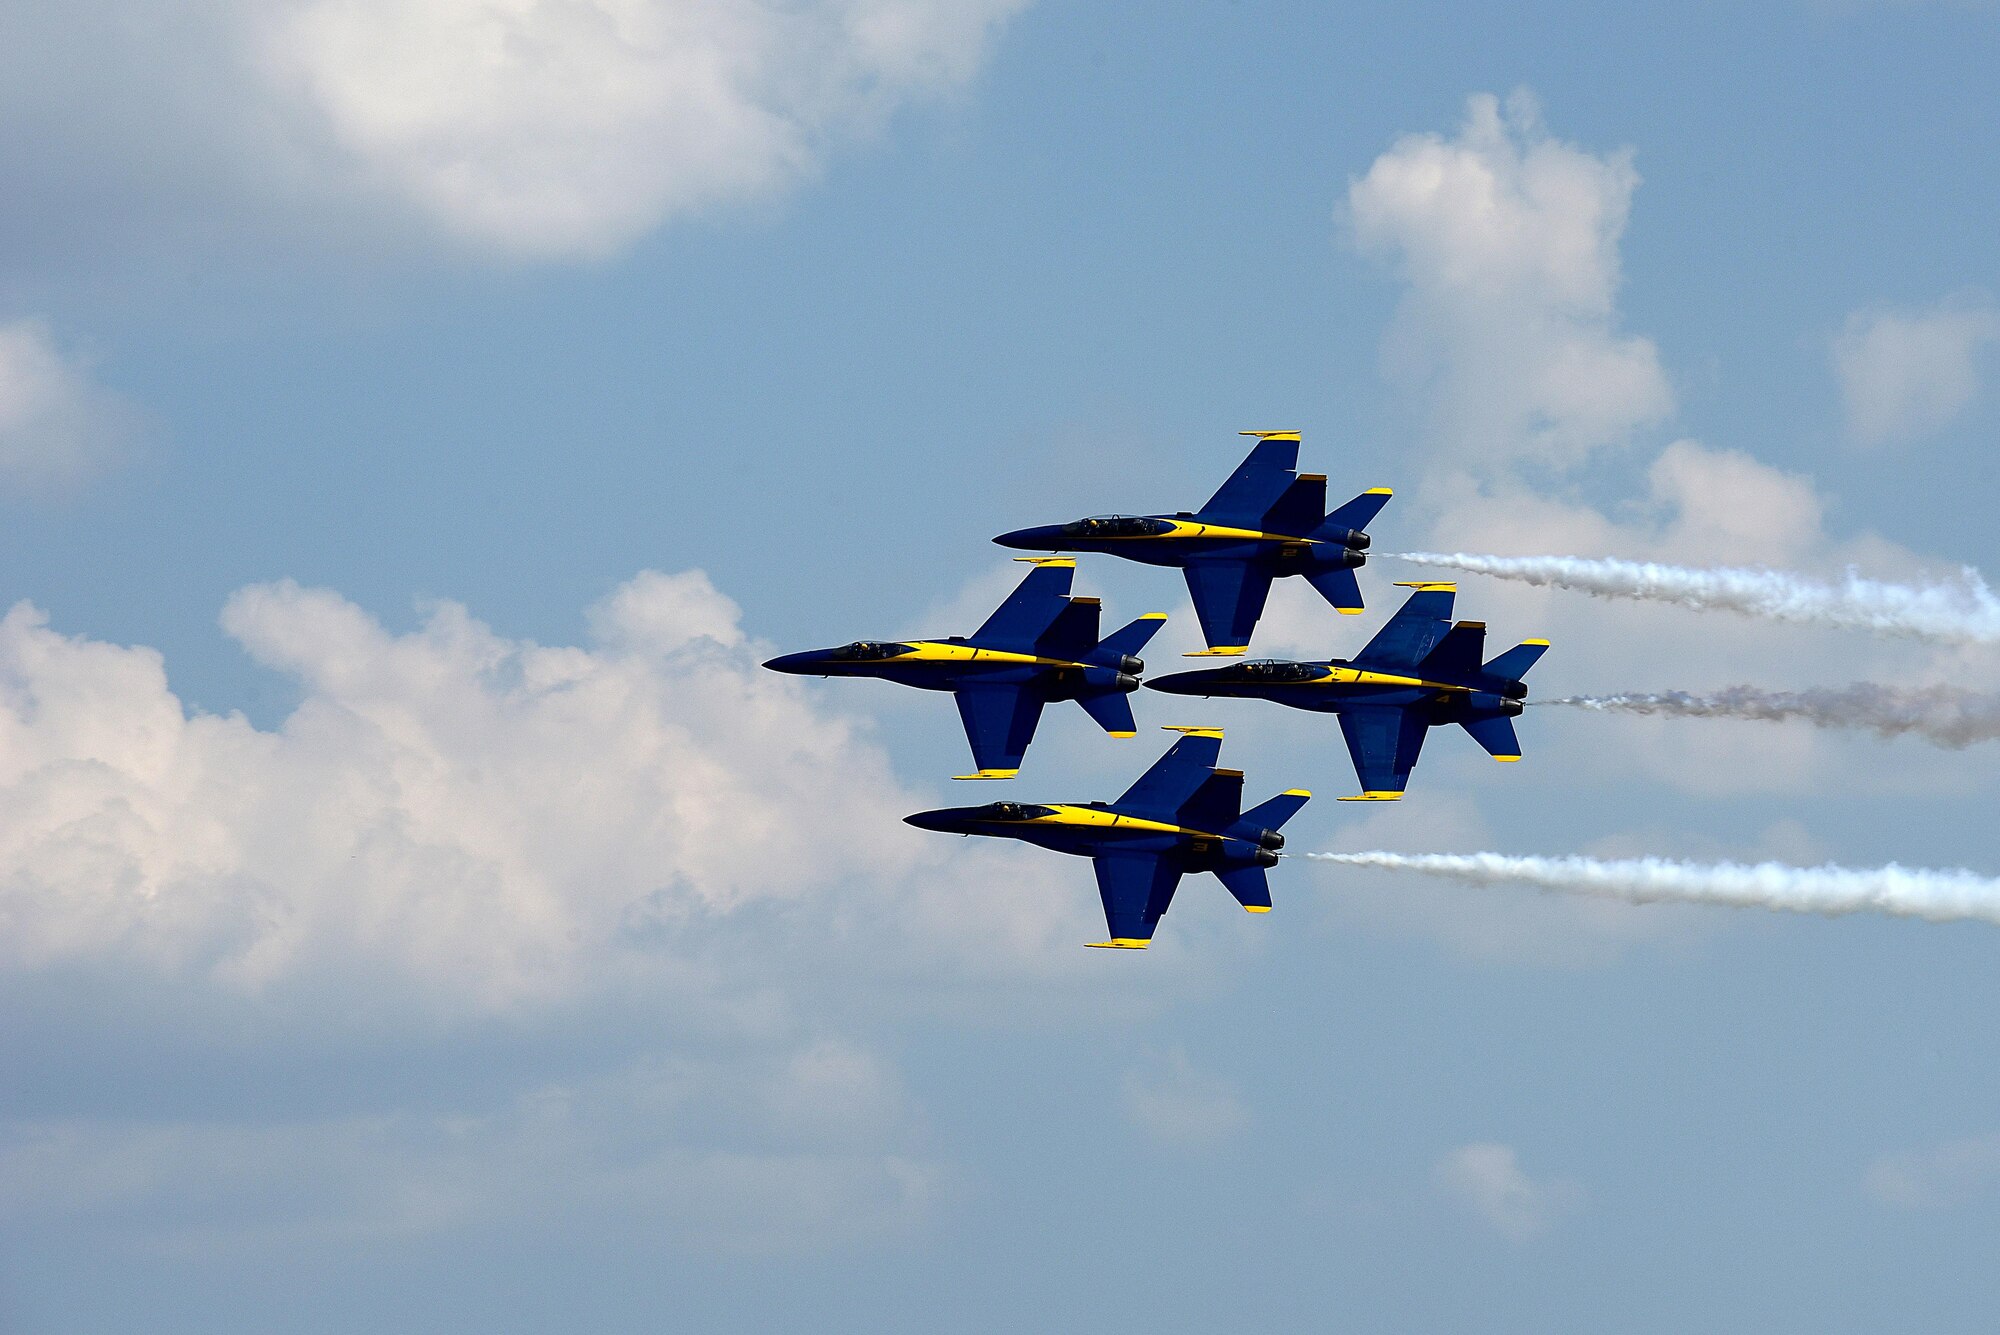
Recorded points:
(1184, 815)
(1039, 646)
(1419, 672)
(1267, 521)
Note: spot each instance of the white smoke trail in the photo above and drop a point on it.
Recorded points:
(1910, 892)
(1964, 611)
(1945, 715)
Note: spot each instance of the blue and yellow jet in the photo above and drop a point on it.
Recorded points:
(1039, 646)
(1183, 815)
(1419, 672)
(1266, 522)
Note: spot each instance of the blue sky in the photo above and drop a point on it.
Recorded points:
(416, 421)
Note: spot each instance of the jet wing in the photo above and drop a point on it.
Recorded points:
(1258, 483)
(1383, 741)
(1136, 889)
(1030, 609)
(1228, 597)
(999, 722)
(1412, 633)
(1176, 776)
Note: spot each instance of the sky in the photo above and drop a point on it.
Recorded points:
(419, 420)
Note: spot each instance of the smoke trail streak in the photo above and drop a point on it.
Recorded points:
(1940, 896)
(1944, 715)
(1963, 611)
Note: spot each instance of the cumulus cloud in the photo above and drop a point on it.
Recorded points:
(1177, 1106)
(534, 128)
(1905, 374)
(1938, 1177)
(451, 819)
(56, 425)
(1508, 241)
(1487, 1179)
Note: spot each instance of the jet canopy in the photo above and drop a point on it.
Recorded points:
(1271, 669)
(1116, 526)
(1013, 811)
(865, 651)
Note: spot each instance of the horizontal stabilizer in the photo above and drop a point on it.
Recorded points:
(1113, 712)
(1514, 664)
(1338, 586)
(1358, 513)
(1273, 814)
(1496, 734)
(1129, 639)
(1250, 886)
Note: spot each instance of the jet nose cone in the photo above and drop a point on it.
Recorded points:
(1040, 539)
(1182, 683)
(946, 821)
(794, 663)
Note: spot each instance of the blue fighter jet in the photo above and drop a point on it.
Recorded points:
(1266, 522)
(1183, 815)
(1419, 672)
(1039, 646)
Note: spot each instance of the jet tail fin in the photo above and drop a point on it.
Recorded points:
(1113, 712)
(1129, 639)
(1495, 732)
(1514, 664)
(1357, 514)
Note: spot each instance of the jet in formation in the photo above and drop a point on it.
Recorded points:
(1419, 672)
(1039, 646)
(1267, 521)
(1184, 815)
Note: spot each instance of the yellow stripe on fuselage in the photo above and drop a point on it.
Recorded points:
(934, 651)
(1347, 676)
(1099, 818)
(1187, 528)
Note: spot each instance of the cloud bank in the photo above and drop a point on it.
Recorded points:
(1905, 374)
(56, 425)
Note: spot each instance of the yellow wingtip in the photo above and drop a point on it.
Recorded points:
(1152, 616)
(989, 774)
(1543, 643)
(1191, 729)
(1297, 792)
(1256, 908)
(1121, 734)
(1506, 759)
(1118, 943)
(1225, 651)
(1271, 435)
(1380, 491)
(1057, 561)
(1374, 795)
(1350, 611)
(1448, 585)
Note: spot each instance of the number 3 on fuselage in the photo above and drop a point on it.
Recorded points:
(1266, 522)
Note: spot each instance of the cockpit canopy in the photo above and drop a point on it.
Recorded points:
(1271, 669)
(1013, 811)
(866, 651)
(1117, 526)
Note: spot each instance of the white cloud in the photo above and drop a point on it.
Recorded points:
(56, 425)
(1508, 239)
(1178, 1106)
(533, 128)
(468, 824)
(767, 1150)
(1488, 1180)
(1907, 374)
(1938, 1177)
